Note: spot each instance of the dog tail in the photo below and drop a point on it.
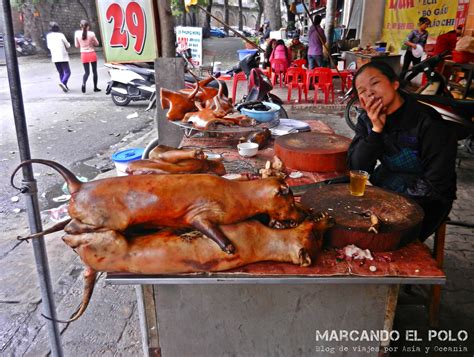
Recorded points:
(72, 181)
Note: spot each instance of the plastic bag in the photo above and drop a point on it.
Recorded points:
(466, 44)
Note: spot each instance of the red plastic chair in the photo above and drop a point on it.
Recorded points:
(344, 75)
(325, 84)
(237, 78)
(298, 63)
(278, 71)
(311, 77)
(296, 78)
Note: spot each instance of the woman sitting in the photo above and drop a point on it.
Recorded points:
(415, 147)
(280, 52)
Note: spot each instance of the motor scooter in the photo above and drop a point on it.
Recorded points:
(433, 93)
(24, 46)
(129, 82)
(135, 82)
(259, 86)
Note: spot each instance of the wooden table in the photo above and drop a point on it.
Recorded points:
(273, 308)
(226, 145)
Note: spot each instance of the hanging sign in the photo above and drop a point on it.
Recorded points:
(190, 37)
(128, 30)
(401, 17)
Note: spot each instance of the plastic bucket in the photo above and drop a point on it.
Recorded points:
(245, 53)
(217, 67)
(123, 157)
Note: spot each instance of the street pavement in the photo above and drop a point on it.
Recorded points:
(110, 325)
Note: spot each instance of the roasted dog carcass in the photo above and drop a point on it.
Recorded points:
(168, 251)
(167, 160)
(203, 202)
(178, 103)
(204, 108)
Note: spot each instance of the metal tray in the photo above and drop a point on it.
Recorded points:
(189, 129)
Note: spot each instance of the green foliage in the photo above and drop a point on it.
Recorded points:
(253, 39)
(177, 6)
(17, 4)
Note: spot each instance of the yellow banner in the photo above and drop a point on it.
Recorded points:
(401, 17)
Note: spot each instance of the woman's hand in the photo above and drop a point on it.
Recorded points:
(376, 111)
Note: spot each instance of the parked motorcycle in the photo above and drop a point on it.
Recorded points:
(130, 82)
(259, 86)
(133, 82)
(24, 45)
(434, 93)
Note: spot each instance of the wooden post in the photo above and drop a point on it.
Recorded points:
(169, 74)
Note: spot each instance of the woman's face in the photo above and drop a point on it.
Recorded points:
(424, 26)
(372, 84)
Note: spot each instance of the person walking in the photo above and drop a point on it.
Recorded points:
(316, 38)
(58, 45)
(86, 41)
(416, 37)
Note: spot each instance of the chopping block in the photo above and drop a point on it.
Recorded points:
(400, 217)
(314, 152)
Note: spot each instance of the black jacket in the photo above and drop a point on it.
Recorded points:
(416, 151)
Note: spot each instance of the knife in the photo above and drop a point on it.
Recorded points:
(301, 189)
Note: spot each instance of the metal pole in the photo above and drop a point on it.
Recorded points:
(29, 183)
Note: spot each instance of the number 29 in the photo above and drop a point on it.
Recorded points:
(135, 21)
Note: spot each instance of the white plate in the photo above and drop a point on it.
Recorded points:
(296, 124)
(417, 52)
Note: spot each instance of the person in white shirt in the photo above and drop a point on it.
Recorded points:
(58, 45)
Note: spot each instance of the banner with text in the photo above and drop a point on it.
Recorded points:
(401, 17)
(190, 37)
(128, 30)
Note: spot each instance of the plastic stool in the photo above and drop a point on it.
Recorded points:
(237, 78)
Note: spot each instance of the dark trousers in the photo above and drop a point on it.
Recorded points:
(64, 71)
(87, 72)
(435, 213)
(409, 58)
(315, 61)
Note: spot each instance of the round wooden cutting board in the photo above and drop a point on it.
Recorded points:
(400, 218)
(314, 152)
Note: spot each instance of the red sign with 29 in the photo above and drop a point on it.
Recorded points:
(128, 30)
